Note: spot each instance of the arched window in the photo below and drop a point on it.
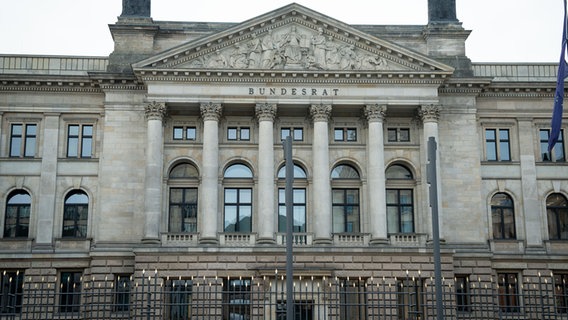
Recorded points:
(345, 199)
(503, 216)
(400, 199)
(183, 181)
(238, 198)
(17, 216)
(298, 199)
(557, 212)
(75, 215)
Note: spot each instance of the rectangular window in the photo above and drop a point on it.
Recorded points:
(410, 299)
(508, 292)
(122, 293)
(561, 293)
(557, 153)
(299, 209)
(345, 208)
(297, 134)
(185, 133)
(79, 141)
(70, 292)
(11, 292)
(23, 138)
(398, 135)
(400, 211)
(179, 299)
(238, 210)
(345, 134)
(183, 210)
(352, 299)
(497, 145)
(462, 293)
(236, 298)
(303, 309)
(238, 133)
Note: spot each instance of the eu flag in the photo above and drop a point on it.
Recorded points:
(559, 95)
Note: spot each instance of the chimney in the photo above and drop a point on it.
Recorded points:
(442, 11)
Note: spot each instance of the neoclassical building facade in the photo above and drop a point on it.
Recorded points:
(167, 154)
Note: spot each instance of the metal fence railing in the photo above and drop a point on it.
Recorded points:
(152, 296)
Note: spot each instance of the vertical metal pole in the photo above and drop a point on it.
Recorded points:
(432, 180)
(289, 228)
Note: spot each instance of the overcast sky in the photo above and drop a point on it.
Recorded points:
(502, 30)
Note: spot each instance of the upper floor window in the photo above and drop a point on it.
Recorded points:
(557, 213)
(17, 219)
(345, 134)
(497, 145)
(238, 199)
(557, 153)
(75, 215)
(398, 134)
(400, 199)
(185, 133)
(297, 134)
(238, 133)
(23, 138)
(298, 200)
(183, 198)
(503, 216)
(345, 199)
(80, 141)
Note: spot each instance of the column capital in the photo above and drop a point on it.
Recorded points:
(429, 113)
(375, 112)
(265, 111)
(211, 111)
(320, 112)
(155, 111)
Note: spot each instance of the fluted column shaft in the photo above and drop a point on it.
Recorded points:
(265, 113)
(321, 178)
(208, 215)
(155, 113)
(430, 115)
(376, 173)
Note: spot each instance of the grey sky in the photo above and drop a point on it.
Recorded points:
(502, 30)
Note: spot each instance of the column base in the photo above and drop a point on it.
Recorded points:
(379, 241)
(265, 241)
(323, 241)
(151, 241)
(208, 241)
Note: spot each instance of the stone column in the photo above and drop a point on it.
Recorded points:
(155, 113)
(321, 199)
(209, 191)
(376, 170)
(430, 115)
(265, 113)
(48, 182)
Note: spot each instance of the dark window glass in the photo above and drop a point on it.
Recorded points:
(184, 171)
(491, 144)
(183, 210)
(400, 211)
(75, 215)
(392, 135)
(404, 135)
(180, 299)
(462, 293)
(238, 210)
(345, 208)
(398, 172)
(11, 293)
(16, 140)
(410, 299)
(558, 150)
(70, 292)
(123, 285)
(503, 216)
(351, 134)
(17, 218)
(508, 292)
(299, 210)
(560, 293)
(23, 138)
(352, 300)
(237, 298)
(557, 214)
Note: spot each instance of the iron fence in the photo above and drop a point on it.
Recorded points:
(152, 296)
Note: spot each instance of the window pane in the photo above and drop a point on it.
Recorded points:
(391, 133)
(245, 134)
(238, 171)
(298, 134)
(298, 172)
(15, 146)
(245, 218)
(352, 196)
(176, 195)
(284, 132)
(232, 133)
(178, 133)
(338, 196)
(20, 198)
(490, 134)
(30, 147)
(404, 135)
(299, 195)
(392, 220)
(351, 134)
(398, 172)
(344, 172)
(338, 134)
(77, 198)
(491, 151)
(191, 133)
(405, 196)
(504, 134)
(230, 218)
(392, 197)
(72, 147)
(17, 129)
(87, 130)
(231, 195)
(86, 147)
(245, 195)
(184, 170)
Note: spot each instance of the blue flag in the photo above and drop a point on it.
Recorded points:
(556, 122)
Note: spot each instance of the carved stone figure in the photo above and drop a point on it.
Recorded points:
(217, 60)
(268, 51)
(332, 57)
(319, 49)
(347, 57)
(239, 58)
(291, 45)
(255, 52)
(372, 62)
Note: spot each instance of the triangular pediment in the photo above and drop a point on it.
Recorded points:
(292, 38)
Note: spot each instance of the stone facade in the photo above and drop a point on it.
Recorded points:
(175, 142)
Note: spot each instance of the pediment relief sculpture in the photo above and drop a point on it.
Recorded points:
(293, 47)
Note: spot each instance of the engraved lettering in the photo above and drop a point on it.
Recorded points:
(251, 91)
(283, 91)
(272, 91)
(293, 91)
(304, 91)
(324, 93)
(261, 91)
(314, 92)
(335, 91)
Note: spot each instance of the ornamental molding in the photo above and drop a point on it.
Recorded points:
(429, 113)
(375, 112)
(290, 38)
(211, 111)
(155, 111)
(266, 111)
(320, 112)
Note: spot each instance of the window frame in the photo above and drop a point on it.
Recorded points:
(508, 294)
(186, 180)
(238, 177)
(398, 134)
(11, 285)
(19, 207)
(498, 144)
(70, 291)
(292, 133)
(345, 207)
(240, 292)
(185, 130)
(345, 134)
(82, 138)
(238, 133)
(25, 139)
(463, 295)
(399, 177)
(73, 209)
(500, 210)
(300, 182)
(123, 289)
(560, 282)
(553, 213)
(559, 146)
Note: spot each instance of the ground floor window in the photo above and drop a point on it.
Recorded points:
(508, 292)
(70, 291)
(237, 299)
(11, 287)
